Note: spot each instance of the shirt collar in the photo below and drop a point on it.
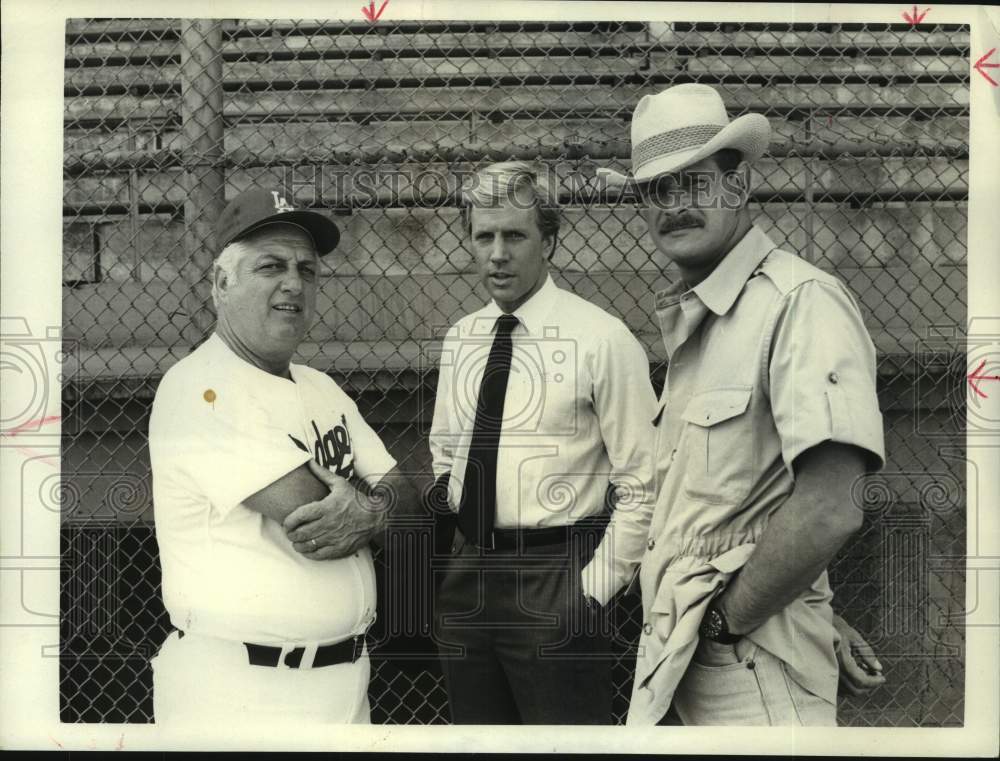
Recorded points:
(720, 289)
(239, 367)
(532, 314)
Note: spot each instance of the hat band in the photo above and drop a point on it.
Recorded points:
(666, 143)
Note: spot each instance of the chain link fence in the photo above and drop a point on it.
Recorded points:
(376, 124)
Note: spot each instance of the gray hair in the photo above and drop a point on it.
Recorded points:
(497, 183)
(229, 258)
(228, 261)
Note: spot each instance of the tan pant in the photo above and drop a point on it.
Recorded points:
(743, 685)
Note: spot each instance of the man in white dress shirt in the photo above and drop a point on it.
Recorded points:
(543, 411)
(267, 486)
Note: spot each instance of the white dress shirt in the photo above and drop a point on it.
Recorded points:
(577, 416)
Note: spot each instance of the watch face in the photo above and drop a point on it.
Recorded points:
(716, 623)
(712, 624)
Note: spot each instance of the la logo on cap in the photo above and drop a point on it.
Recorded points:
(280, 204)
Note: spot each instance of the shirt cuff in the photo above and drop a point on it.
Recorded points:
(600, 581)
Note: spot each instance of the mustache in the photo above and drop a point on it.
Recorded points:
(669, 224)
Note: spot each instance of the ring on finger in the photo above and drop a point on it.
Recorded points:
(313, 543)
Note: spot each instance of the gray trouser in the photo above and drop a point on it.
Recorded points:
(518, 645)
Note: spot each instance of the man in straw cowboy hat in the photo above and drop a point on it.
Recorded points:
(768, 417)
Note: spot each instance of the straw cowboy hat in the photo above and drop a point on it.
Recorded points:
(682, 125)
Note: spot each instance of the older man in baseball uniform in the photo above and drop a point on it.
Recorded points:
(768, 417)
(268, 486)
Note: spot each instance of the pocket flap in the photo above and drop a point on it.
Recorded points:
(717, 404)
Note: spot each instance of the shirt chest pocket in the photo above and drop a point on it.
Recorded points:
(719, 445)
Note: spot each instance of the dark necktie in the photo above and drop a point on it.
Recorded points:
(478, 508)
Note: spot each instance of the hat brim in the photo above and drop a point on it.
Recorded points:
(748, 134)
(323, 231)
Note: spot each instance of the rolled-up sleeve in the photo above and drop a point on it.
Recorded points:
(821, 374)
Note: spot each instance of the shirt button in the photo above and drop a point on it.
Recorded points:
(650, 544)
(647, 629)
(833, 378)
(673, 454)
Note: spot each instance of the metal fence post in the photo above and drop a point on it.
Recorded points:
(205, 180)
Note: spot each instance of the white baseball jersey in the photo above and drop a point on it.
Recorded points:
(220, 431)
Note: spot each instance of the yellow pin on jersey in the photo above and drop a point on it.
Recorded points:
(209, 396)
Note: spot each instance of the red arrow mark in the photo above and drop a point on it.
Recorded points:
(981, 64)
(370, 13)
(975, 377)
(29, 425)
(915, 18)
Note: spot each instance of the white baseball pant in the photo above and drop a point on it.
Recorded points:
(199, 679)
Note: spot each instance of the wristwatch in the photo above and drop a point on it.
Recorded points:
(715, 627)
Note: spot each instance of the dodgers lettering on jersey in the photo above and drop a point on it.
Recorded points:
(229, 571)
(332, 448)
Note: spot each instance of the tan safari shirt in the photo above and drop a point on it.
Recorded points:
(768, 357)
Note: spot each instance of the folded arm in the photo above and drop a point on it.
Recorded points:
(351, 515)
(328, 517)
(280, 498)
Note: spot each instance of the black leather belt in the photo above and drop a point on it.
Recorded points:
(347, 651)
(515, 538)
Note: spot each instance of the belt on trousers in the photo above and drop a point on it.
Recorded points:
(515, 538)
(347, 651)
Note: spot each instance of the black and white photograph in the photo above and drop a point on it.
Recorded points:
(540, 366)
